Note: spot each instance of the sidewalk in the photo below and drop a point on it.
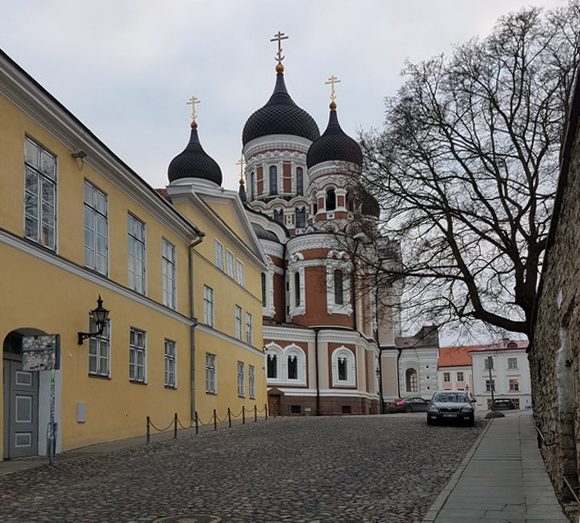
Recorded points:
(501, 480)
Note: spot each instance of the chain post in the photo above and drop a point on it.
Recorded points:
(243, 415)
(255, 414)
(229, 418)
(175, 426)
(266, 411)
(148, 429)
(196, 423)
(214, 419)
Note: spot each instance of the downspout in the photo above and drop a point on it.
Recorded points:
(193, 325)
(382, 399)
(398, 375)
(284, 304)
(316, 329)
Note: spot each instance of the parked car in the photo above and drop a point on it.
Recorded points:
(503, 404)
(450, 406)
(407, 405)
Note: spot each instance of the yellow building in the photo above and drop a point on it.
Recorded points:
(77, 223)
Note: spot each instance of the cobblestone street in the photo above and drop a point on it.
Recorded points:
(334, 469)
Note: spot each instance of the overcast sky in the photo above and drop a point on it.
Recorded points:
(126, 68)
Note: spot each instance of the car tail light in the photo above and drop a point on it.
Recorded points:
(401, 403)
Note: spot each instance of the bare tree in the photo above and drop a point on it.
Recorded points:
(465, 170)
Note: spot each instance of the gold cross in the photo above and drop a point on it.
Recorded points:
(241, 162)
(278, 38)
(331, 81)
(193, 101)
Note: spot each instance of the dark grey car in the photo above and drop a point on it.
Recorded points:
(450, 406)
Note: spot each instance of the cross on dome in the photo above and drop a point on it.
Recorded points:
(332, 81)
(278, 37)
(241, 162)
(193, 101)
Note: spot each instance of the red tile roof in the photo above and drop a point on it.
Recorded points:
(460, 357)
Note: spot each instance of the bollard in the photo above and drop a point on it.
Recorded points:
(243, 415)
(196, 423)
(175, 426)
(255, 414)
(266, 411)
(229, 418)
(148, 429)
(214, 420)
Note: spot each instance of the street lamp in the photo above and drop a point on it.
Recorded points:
(491, 382)
(100, 316)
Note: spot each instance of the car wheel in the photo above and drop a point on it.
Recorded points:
(409, 408)
(430, 422)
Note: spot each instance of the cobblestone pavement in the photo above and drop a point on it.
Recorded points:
(333, 469)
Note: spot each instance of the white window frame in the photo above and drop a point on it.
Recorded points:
(97, 213)
(36, 168)
(344, 352)
(168, 274)
(512, 364)
(136, 350)
(489, 384)
(134, 240)
(486, 363)
(240, 275)
(273, 349)
(447, 377)
(238, 322)
(249, 329)
(219, 254)
(294, 351)
(170, 364)
(230, 269)
(208, 306)
(96, 343)
(241, 379)
(252, 382)
(338, 260)
(460, 374)
(210, 373)
(517, 384)
(296, 267)
(408, 389)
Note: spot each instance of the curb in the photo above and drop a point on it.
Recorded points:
(438, 504)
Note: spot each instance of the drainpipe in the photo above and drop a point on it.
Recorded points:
(398, 375)
(284, 304)
(316, 329)
(193, 324)
(382, 399)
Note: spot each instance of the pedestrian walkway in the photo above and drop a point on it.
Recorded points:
(502, 479)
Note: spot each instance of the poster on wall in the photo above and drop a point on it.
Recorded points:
(41, 352)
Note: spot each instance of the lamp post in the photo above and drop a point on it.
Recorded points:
(491, 382)
(100, 316)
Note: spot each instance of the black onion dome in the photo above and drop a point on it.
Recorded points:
(280, 116)
(194, 162)
(334, 146)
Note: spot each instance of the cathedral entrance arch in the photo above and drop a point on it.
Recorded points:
(20, 390)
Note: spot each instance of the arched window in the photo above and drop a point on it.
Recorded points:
(279, 216)
(342, 368)
(301, 218)
(338, 288)
(299, 181)
(411, 382)
(330, 200)
(297, 289)
(273, 179)
(293, 367)
(272, 366)
(252, 185)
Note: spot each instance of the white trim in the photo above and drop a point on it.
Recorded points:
(92, 277)
(330, 393)
(282, 364)
(225, 337)
(284, 145)
(346, 353)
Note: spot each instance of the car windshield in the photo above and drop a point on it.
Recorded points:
(449, 397)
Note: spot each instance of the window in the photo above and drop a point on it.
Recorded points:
(249, 334)
(297, 289)
(299, 181)
(208, 306)
(136, 230)
(489, 385)
(460, 377)
(230, 264)
(411, 382)
(137, 356)
(210, 373)
(338, 288)
(264, 302)
(279, 216)
(514, 385)
(342, 368)
(252, 185)
(252, 381)
(301, 218)
(238, 322)
(170, 364)
(330, 200)
(488, 363)
(273, 179)
(219, 255)
(99, 351)
(272, 366)
(40, 195)
(96, 229)
(447, 377)
(293, 368)
(240, 273)
(512, 363)
(349, 201)
(168, 274)
(241, 379)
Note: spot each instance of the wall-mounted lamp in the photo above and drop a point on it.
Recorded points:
(81, 155)
(99, 315)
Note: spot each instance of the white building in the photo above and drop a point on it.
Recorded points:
(510, 374)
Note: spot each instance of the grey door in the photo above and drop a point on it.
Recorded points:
(20, 409)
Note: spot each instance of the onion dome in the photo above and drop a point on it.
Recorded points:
(280, 116)
(334, 145)
(194, 162)
(369, 204)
